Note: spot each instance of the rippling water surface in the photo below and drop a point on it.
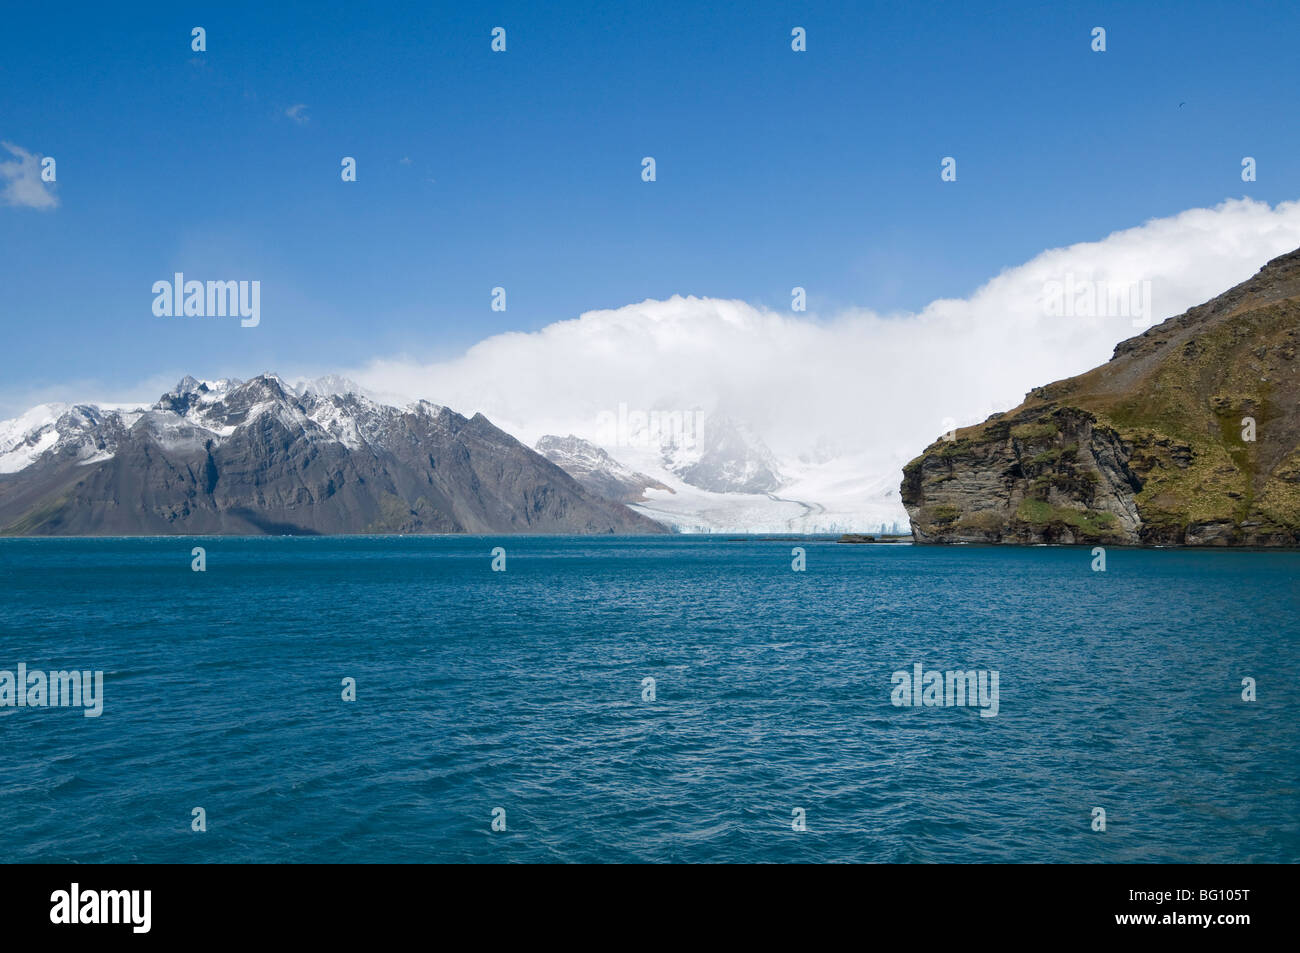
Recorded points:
(522, 690)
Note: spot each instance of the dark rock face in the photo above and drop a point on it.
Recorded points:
(1189, 435)
(1032, 478)
(258, 457)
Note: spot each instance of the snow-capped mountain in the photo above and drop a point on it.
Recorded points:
(831, 490)
(85, 433)
(597, 470)
(726, 457)
(834, 496)
(232, 456)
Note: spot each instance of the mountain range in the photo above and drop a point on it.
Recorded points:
(326, 456)
(1188, 435)
(260, 456)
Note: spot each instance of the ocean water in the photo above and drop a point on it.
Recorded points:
(523, 691)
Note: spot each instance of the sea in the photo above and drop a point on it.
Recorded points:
(740, 699)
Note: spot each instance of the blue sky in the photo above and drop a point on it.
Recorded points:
(775, 168)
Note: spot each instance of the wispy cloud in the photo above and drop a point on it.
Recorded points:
(21, 183)
(298, 113)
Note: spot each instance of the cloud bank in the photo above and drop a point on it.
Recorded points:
(856, 382)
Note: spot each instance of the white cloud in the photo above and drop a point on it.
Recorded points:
(859, 381)
(20, 180)
(298, 113)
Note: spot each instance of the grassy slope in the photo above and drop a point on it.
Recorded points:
(1177, 396)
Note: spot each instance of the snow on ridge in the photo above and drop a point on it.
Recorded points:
(193, 411)
(218, 389)
(24, 455)
(330, 385)
(423, 407)
(335, 421)
(16, 429)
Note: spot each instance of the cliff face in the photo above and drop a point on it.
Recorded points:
(1189, 435)
(259, 457)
